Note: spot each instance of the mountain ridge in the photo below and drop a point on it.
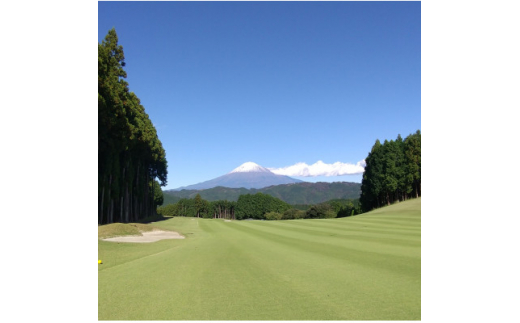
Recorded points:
(292, 193)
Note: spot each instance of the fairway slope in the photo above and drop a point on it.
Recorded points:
(366, 267)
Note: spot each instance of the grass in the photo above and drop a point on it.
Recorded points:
(366, 267)
(122, 229)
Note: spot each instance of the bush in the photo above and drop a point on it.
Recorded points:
(168, 210)
(257, 205)
(293, 214)
(273, 216)
(321, 211)
(329, 214)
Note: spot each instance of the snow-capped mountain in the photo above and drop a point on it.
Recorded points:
(250, 167)
(247, 175)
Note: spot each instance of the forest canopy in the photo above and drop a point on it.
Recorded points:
(258, 206)
(130, 155)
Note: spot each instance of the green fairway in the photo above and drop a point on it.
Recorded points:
(366, 267)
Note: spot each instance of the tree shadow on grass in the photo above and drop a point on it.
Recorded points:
(155, 218)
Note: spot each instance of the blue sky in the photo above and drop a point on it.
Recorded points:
(276, 83)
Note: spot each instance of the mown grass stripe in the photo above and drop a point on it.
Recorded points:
(404, 234)
(317, 234)
(386, 223)
(359, 253)
(275, 271)
(335, 232)
(353, 273)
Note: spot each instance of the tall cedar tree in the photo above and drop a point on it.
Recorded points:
(130, 155)
(392, 172)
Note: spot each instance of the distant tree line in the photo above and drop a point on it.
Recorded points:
(392, 172)
(198, 207)
(258, 206)
(130, 155)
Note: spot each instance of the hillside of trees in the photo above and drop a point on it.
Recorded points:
(297, 193)
(392, 172)
(130, 155)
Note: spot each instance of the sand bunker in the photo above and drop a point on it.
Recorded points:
(150, 236)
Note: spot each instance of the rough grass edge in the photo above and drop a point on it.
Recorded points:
(123, 229)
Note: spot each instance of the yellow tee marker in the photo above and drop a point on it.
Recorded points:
(99, 262)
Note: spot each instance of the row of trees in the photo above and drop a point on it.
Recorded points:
(337, 208)
(198, 207)
(258, 206)
(392, 172)
(248, 206)
(130, 155)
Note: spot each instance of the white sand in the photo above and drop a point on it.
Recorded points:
(150, 236)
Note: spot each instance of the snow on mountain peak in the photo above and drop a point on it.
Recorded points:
(250, 167)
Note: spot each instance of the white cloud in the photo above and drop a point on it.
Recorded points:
(321, 169)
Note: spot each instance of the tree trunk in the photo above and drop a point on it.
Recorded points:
(100, 220)
(153, 197)
(137, 188)
(121, 209)
(146, 197)
(109, 199)
(111, 212)
(127, 205)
